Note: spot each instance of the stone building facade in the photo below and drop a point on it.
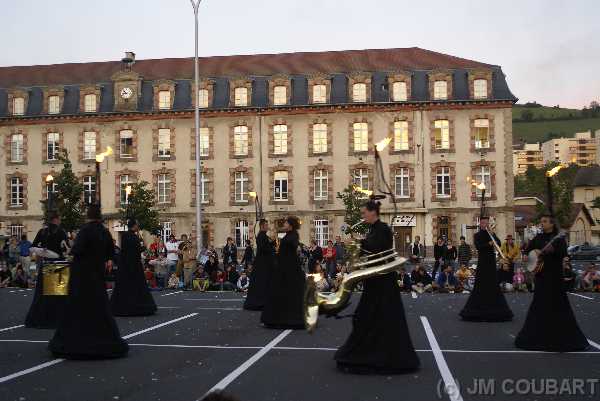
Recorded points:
(295, 128)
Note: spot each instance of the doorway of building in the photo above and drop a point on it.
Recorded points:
(402, 238)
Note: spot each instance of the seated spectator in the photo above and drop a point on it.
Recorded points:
(404, 280)
(446, 281)
(20, 279)
(212, 265)
(201, 281)
(321, 283)
(519, 282)
(463, 274)
(173, 281)
(590, 278)
(421, 280)
(5, 276)
(569, 276)
(243, 282)
(231, 275)
(150, 278)
(160, 270)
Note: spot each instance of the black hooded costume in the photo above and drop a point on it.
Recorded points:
(284, 308)
(380, 342)
(261, 270)
(45, 310)
(550, 324)
(131, 296)
(87, 329)
(486, 303)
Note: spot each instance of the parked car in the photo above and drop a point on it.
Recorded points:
(584, 252)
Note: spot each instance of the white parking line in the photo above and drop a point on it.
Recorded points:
(59, 360)
(593, 344)
(193, 346)
(11, 328)
(214, 300)
(449, 384)
(244, 366)
(171, 293)
(582, 296)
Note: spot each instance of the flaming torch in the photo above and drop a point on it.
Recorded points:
(99, 159)
(549, 195)
(480, 186)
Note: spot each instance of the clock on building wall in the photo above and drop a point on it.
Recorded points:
(126, 92)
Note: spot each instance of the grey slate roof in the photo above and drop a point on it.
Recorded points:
(588, 177)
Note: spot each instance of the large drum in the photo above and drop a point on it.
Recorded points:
(56, 277)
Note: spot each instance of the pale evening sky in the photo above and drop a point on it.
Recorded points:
(549, 49)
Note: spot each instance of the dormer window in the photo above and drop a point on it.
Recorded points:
(359, 92)
(53, 104)
(319, 93)
(89, 103)
(164, 100)
(440, 90)
(18, 106)
(240, 97)
(279, 95)
(399, 92)
(480, 90)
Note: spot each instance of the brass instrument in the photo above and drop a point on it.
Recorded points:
(56, 278)
(317, 303)
(495, 243)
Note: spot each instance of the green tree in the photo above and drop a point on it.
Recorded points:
(68, 198)
(352, 200)
(141, 207)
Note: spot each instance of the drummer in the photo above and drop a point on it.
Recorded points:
(45, 309)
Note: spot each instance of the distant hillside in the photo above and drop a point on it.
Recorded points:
(537, 123)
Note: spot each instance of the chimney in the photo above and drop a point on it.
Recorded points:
(128, 61)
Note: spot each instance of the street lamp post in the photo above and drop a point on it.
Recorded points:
(196, 5)
(49, 189)
(99, 159)
(127, 193)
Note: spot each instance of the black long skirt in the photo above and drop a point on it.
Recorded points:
(131, 296)
(380, 342)
(259, 282)
(284, 307)
(486, 303)
(45, 310)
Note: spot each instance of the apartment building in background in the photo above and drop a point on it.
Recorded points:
(580, 150)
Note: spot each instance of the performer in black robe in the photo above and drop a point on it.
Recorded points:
(284, 308)
(87, 329)
(131, 296)
(45, 310)
(380, 342)
(550, 324)
(261, 269)
(486, 303)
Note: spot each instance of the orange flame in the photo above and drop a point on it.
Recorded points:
(100, 156)
(552, 172)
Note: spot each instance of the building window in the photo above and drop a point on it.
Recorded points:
(203, 98)
(399, 92)
(280, 186)
(164, 100)
(361, 137)
(319, 138)
(322, 232)
(241, 187)
(89, 145)
(164, 142)
(443, 226)
(89, 189)
(280, 139)
(164, 188)
(359, 92)
(483, 174)
(203, 188)
(126, 143)
(18, 106)
(319, 93)
(442, 134)
(480, 89)
(482, 133)
(53, 104)
(15, 230)
(89, 103)
(240, 140)
(360, 178)
(241, 233)
(16, 148)
(16, 192)
(402, 180)
(440, 90)
(321, 178)
(240, 97)
(443, 182)
(279, 95)
(400, 135)
(53, 145)
(124, 181)
(204, 142)
(166, 230)
(589, 195)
